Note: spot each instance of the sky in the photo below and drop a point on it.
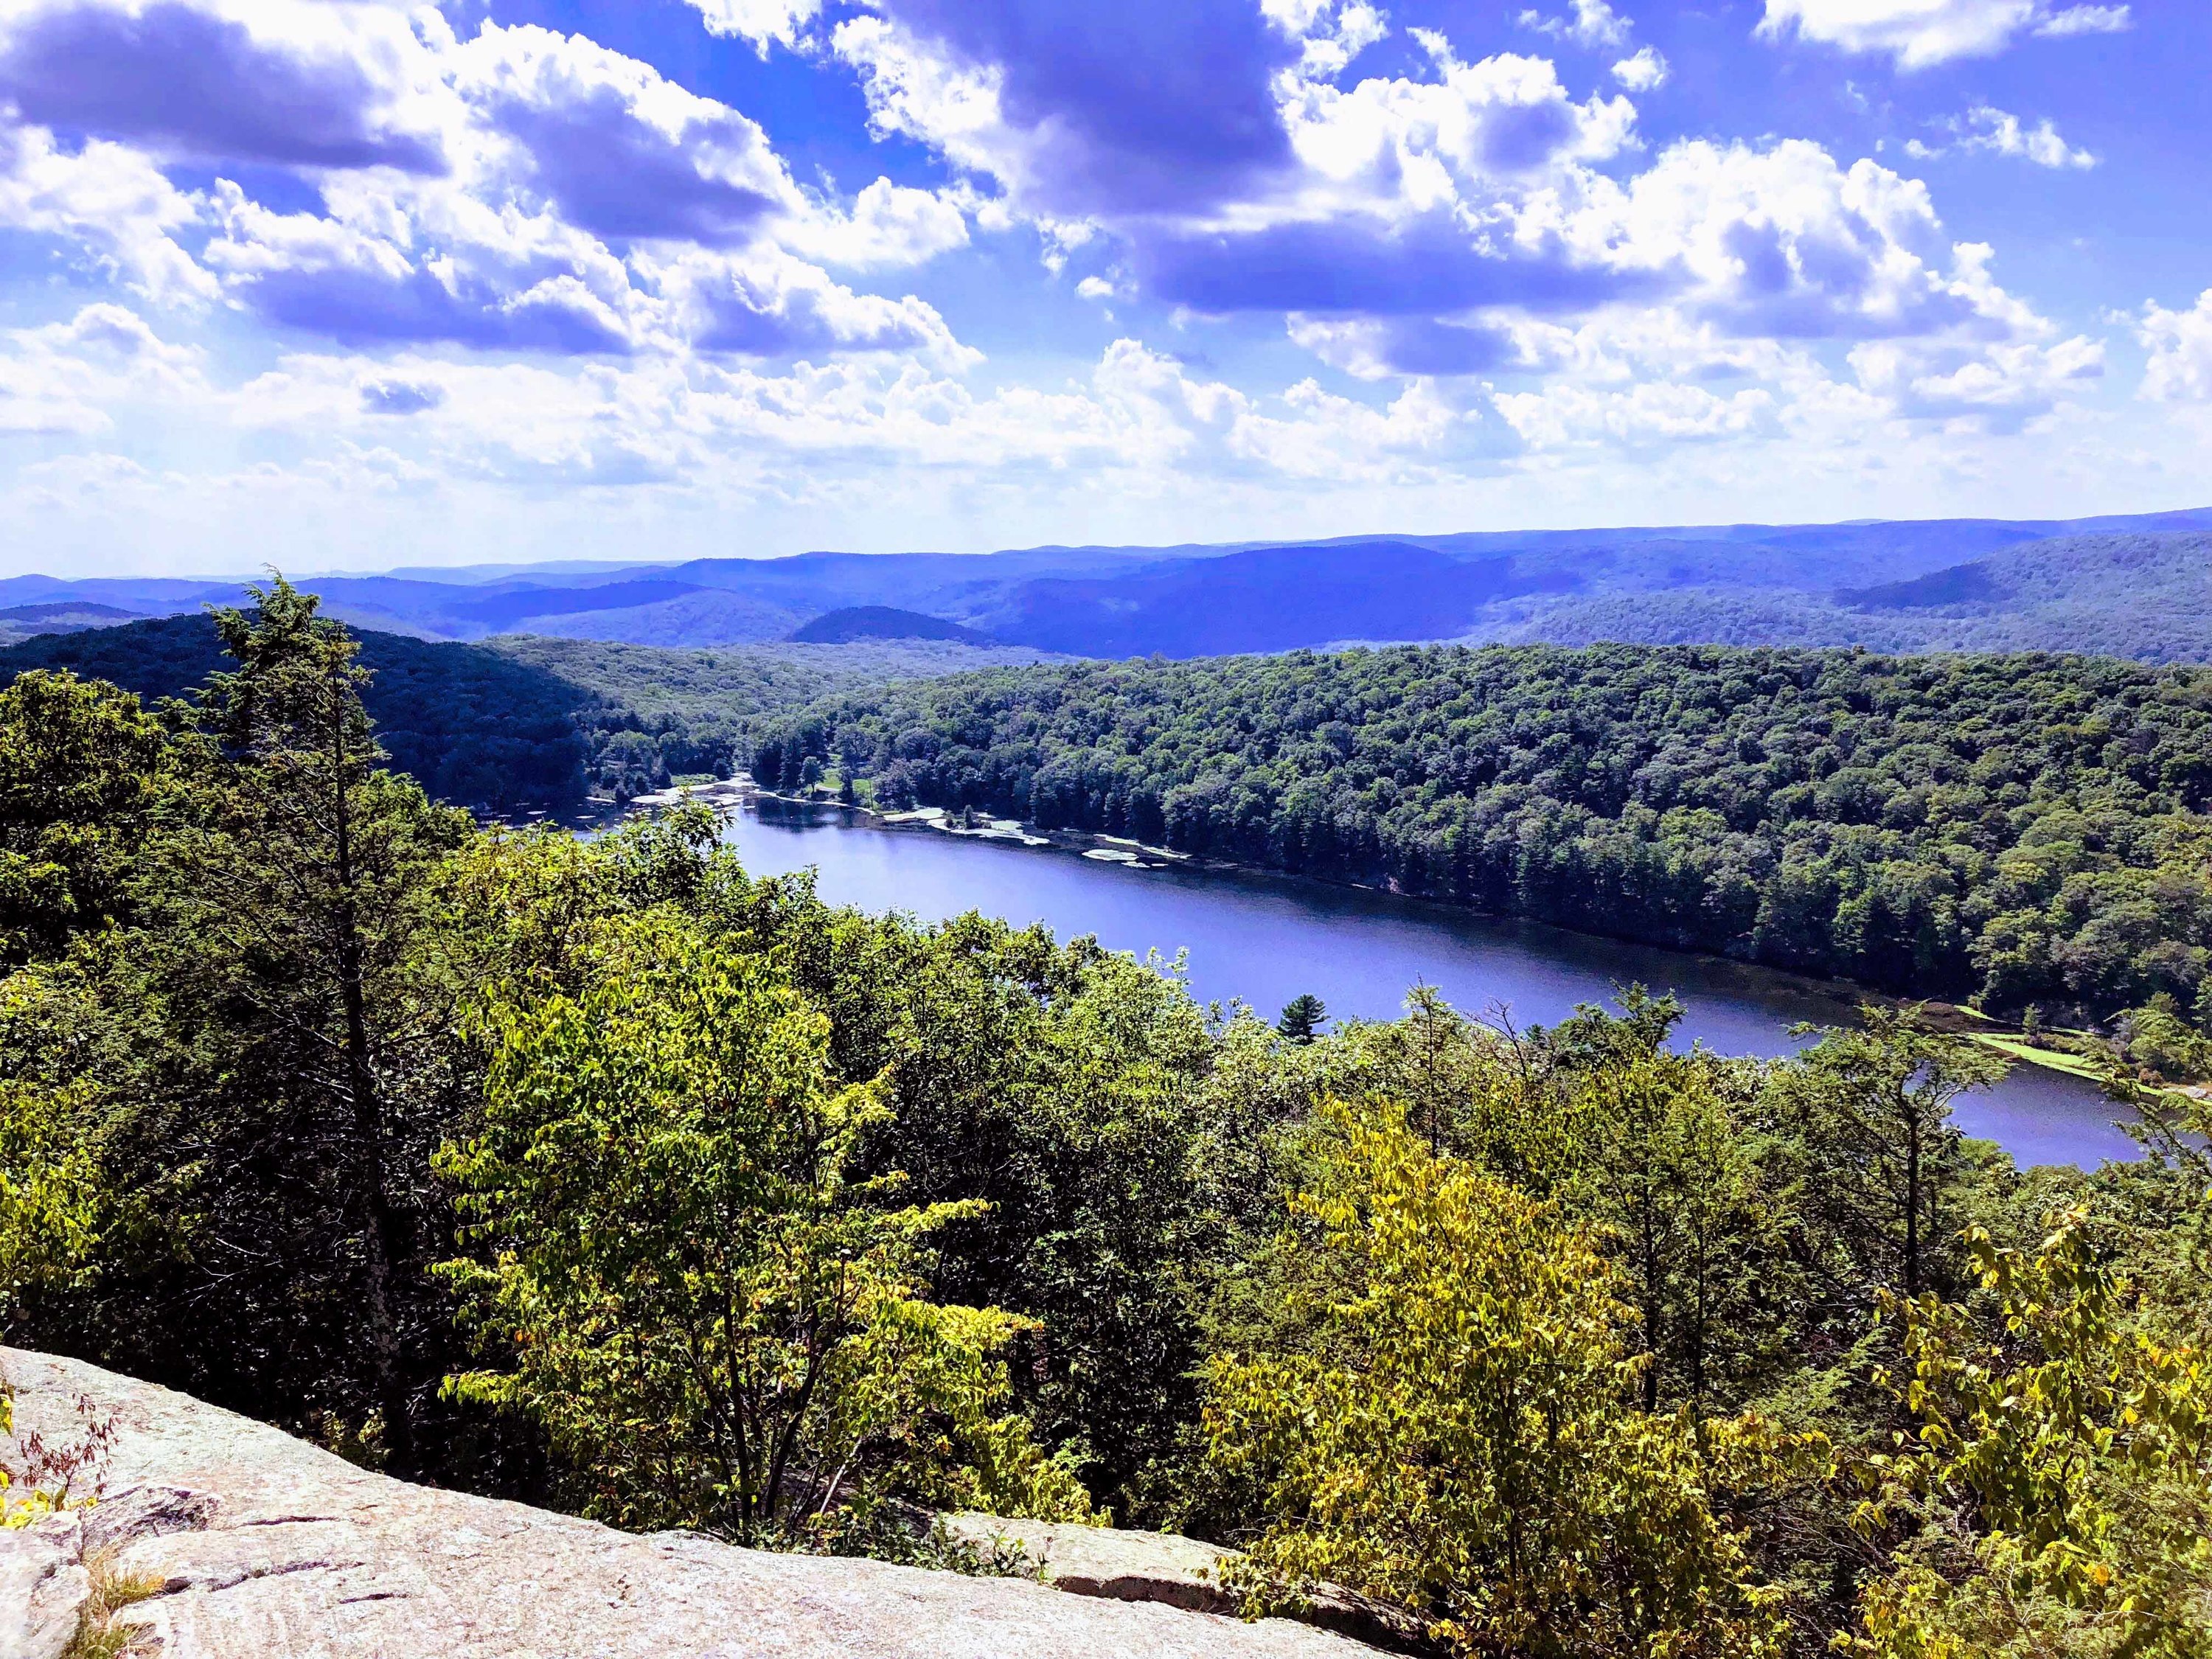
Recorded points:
(332, 285)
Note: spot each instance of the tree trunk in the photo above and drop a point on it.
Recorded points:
(381, 1236)
(1911, 1197)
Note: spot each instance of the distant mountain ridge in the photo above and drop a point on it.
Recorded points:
(882, 621)
(2148, 596)
(1891, 585)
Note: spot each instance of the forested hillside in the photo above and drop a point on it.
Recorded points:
(603, 1173)
(530, 722)
(473, 727)
(2018, 829)
(2144, 596)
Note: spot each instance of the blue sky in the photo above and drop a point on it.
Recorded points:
(353, 285)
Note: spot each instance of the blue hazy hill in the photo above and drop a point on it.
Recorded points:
(1903, 585)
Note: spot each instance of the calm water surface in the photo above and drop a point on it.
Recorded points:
(1266, 938)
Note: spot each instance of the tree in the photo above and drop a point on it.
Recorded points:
(291, 1035)
(1302, 1017)
(79, 765)
(1673, 1184)
(53, 1203)
(2058, 1476)
(1452, 1429)
(1870, 1110)
(716, 1326)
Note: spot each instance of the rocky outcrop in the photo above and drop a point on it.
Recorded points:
(1160, 1566)
(246, 1543)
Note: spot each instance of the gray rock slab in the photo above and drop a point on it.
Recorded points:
(1122, 1566)
(266, 1547)
(1163, 1567)
(43, 1588)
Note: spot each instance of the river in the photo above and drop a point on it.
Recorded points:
(1265, 938)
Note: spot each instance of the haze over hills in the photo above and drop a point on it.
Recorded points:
(2144, 596)
(2135, 587)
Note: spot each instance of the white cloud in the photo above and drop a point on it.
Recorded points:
(546, 266)
(888, 225)
(521, 188)
(1920, 33)
(1653, 415)
(110, 202)
(1995, 388)
(763, 22)
(2180, 347)
(1782, 241)
(918, 93)
(2087, 20)
(67, 377)
(1643, 70)
(1995, 132)
(1593, 24)
(765, 303)
(1395, 147)
(1481, 186)
(1332, 33)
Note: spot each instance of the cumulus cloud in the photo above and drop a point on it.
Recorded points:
(1407, 219)
(1073, 115)
(763, 23)
(1781, 240)
(1992, 131)
(291, 85)
(2180, 347)
(1410, 197)
(1376, 348)
(2085, 20)
(396, 397)
(770, 305)
(613, 147)
(1594, 24)
(888, 225)
(1137, 413)
(1510, 273)
(521, 189)
(1918, 33)
(111, 203)
(67, 377)
(1995, 389)
(1643, 70)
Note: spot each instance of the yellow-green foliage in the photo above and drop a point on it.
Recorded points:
(2059, 1473)
(715, 1324)
(1454, 1432)
(50, 1195)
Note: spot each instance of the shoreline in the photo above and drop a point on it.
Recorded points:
(740, 793)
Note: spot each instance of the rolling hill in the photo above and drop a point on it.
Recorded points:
(882, 621)
(2143, 596)
(2130, 586)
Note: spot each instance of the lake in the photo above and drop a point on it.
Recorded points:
(1265, 938)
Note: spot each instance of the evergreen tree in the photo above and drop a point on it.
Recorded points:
(1302, 1017)
(294, 1035)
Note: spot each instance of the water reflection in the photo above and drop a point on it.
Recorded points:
(1267, 939)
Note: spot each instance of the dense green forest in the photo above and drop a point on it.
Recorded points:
(602, 1174)
(2019, 830)
(650, 713)
(474, 728)
(530, 722)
